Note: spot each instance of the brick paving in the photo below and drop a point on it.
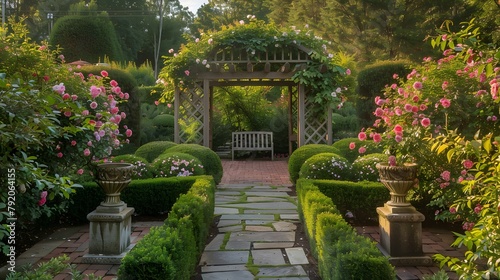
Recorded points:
(74, 241)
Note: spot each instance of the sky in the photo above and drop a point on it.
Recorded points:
(193, 5)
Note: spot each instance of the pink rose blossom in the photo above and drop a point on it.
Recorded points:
(128, 132)
(377, 138)
(43, 198)
(408, 107)
(95, 91)
(104, 73)
(186, 72)
(348, 72)
(73, 143)
(113, 83)
(74, 97)
(398, 128)
(59, 155)
(66, 96)
(123, 115)
(157, 102)
(93, 105)
(425, 122)
(362, 136)
(126, 96)
(398, 138)
(468, 164)
(85, 112)
(67, 113)
(417, 85)
(392, 160)
(445, 102)
(352, 146)
(453, 210)
(446, 175)
(86, 152)
(79, 171)
(379, 112)
(362, 150)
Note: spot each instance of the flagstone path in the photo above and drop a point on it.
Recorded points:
(257, 235)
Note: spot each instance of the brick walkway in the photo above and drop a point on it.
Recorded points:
(74, 241)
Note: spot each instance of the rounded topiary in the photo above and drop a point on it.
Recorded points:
(209, 159)
(299, 156)
(142, 167)
(352, 151)
(164, 120)
(152, 150)
(176, 164)
(328, 166)
(363, 168)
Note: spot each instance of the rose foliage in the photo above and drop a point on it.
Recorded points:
(444, 116)
(54, 123)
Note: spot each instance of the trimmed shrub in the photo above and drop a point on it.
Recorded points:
(172, 164)
(364, 168)
(341, 253)
(344, 149)
(172, 250)
(325, 166)
(142, 167)
(360, 198)
(152, 150)
(210, 160)
(72, 34)
(299, 156)
(148, 197)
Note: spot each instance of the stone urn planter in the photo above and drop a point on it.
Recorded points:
(113, 178)
(399, 180)
(400, 223)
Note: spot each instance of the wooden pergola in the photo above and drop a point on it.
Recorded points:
(233, 66)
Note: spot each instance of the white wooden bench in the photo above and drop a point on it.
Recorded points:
(252, 141)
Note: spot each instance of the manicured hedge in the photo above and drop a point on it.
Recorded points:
(210, 160)
(172, 164)
(361, 198)
(341, 253)
(172, 251)
(148, 197)
(152, 150)
(299, 156)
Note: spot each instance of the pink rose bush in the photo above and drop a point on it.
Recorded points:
(444, 116)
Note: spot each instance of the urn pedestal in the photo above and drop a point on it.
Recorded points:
(111, 222)
(400, 223)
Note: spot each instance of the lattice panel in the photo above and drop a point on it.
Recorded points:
(316, 126)
(294, 109)
(191, 114)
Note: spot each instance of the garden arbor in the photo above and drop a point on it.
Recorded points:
(254, 54)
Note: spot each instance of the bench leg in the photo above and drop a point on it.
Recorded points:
(232, 154)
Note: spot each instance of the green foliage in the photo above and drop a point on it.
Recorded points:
(209, 159)
(300, 155)
(352, 151)
(160, 130)
(152, 150)
(172, 250)
(371, 82)
(50, 269)
(148, 197)
(440, 275)
(89, 38)
(360, 198)
(364, 167)
(172, 164)
(341, 253)
(325, 166)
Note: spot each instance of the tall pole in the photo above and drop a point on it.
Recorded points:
(3, 12)
(158, 46)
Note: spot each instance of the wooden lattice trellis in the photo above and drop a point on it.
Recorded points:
(236, 67)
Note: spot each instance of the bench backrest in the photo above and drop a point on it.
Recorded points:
(252, 140)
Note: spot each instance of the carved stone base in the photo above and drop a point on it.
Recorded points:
(109, 233)
(401, 235)
(106, 259)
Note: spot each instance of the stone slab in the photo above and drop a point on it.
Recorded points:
(296, 255)
(263, 236)
(247, 217)
(215, 244)
(240, 275)
(231, 228)
(266, 205)
(219, 268)
(268, 257)
(295, 270)
(258, 228)
(224, 257)
(272, 245)
(266, 194)
(265, 199)
(238, 245)
(224, 210)
(289, 216)
(284, 226)
(225, 223)
(257, 222)
(270, 211)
